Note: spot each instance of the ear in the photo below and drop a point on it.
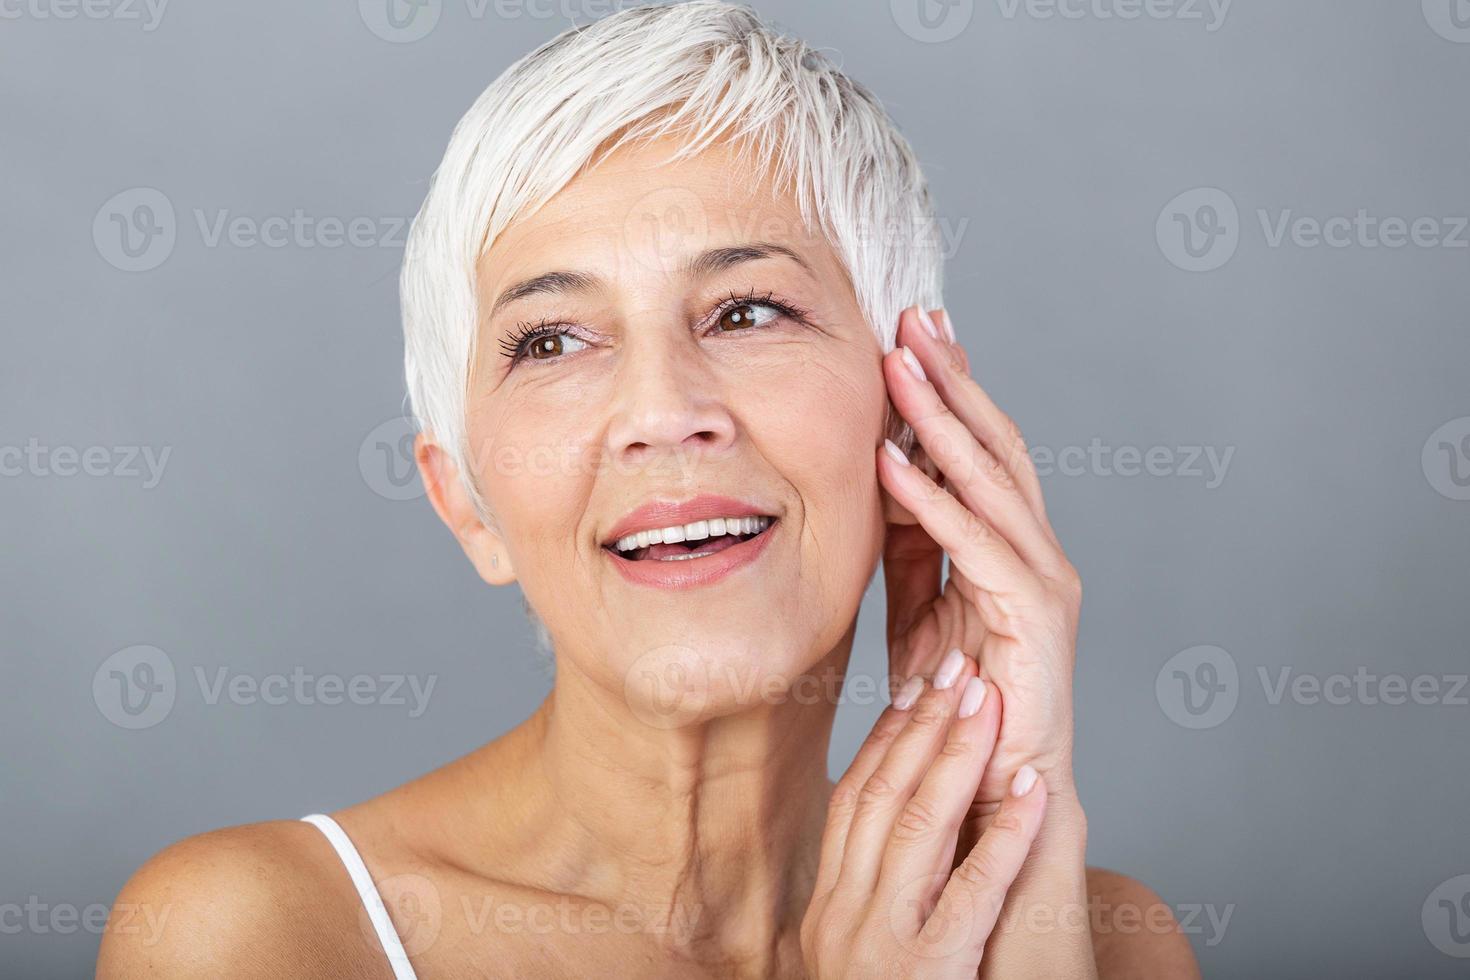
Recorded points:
(446, 491)
(896, 429)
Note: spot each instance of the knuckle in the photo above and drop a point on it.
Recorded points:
(844, 798)
(995, 471)
(980, 869)
(957, 748)
(929, 712)
(1007, 824)
(1014, 442)
(976, 532)
(918, 820)
(1070, 580)
(878, 789)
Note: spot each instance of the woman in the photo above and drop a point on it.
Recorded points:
(662, 340)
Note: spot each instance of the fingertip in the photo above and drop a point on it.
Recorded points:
(1025, 780)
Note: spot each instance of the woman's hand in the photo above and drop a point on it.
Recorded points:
(890, 899)
(1012, 599)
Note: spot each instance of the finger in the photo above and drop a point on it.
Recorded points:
(973, 546)
(897, 776)
(972, 899)
(973, 473)
(845, 794)
(950, 372)
(926, 832)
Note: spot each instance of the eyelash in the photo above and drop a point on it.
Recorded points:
(516, 345)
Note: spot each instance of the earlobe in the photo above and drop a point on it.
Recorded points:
(451, 501)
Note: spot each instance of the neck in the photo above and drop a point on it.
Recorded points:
(710, 831)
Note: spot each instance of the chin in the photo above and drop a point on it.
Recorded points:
(727, 662)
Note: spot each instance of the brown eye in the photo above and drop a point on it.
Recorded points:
(551, 346)
(544, 347)
(744, 316)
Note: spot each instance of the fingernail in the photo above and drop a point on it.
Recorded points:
(949, 670)
(909, 693)
(927, 321)
(915, 368)
(894, 453)
(948, 327)
(973, 698)
(1025, 779)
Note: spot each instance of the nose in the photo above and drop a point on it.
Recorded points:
(668, 405)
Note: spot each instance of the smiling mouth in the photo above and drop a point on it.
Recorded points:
(686, 542)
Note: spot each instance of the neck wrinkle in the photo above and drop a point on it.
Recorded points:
(713, 828)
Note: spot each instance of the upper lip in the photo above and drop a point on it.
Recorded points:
(660, 513)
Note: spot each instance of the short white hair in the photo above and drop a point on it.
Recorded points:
(701, 71)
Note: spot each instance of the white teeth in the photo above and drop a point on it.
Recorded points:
(697, 531)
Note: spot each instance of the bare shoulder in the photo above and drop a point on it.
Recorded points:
(1134, 932)
(259, 900)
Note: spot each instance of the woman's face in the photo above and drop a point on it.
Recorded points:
(657, 334)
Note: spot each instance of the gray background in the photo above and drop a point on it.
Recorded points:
(1333, 545)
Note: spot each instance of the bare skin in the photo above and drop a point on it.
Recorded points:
(591, 840)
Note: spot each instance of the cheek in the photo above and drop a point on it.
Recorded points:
(535, 469)
(825, 422)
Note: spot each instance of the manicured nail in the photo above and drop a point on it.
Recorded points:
(972, 698)
(948, 327)
(894, 453)
(909, 693)
(927, 321)
(915, 368)
(949, 670)
(1025, 779)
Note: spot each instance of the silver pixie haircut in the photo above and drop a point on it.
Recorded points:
(700, 71)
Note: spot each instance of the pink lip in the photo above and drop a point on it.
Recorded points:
(694, 572)
(665, 513)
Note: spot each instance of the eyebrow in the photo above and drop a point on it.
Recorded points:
(707, 263)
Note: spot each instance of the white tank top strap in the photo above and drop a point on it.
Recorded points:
(368, 892)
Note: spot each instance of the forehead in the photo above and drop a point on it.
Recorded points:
(639, 215)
